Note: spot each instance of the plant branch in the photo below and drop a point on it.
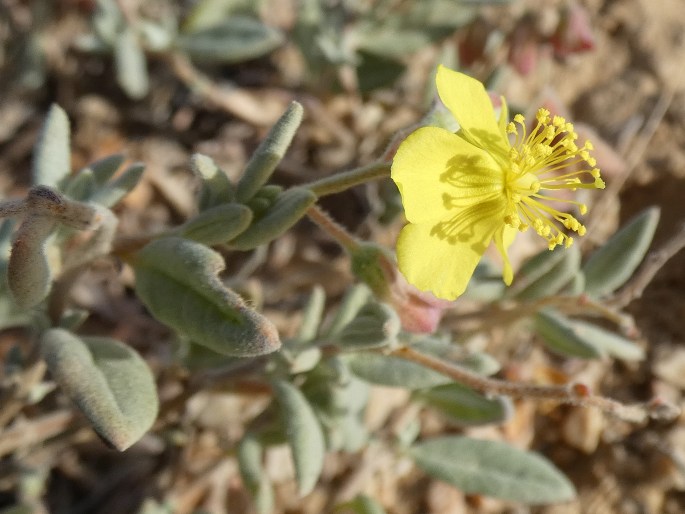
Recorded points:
(340, 182)
(575, 394)
(332, 228)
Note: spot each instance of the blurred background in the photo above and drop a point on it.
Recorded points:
(160, 80)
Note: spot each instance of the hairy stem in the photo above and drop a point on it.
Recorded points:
(332, 228)
(347, 179)
(575, 394)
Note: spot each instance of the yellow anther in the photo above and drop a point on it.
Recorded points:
(581, 230)
(582, 208)
(519, 119)
(568, 242)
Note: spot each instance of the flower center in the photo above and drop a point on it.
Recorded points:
(541, 165)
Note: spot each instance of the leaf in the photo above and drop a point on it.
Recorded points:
(235, 39)
(375, 325)
(217, 224)
(361, 504)
(558, 334)
(115, 190)
(311, 316)
(608, 342)
(207, 13)
(493, 468)
(104, 169)
(546, 273)
(107, 380)
(603, 342)
(478, 362)
(131, 65)
(395, 371)
(355, 298)
(177, 281)
(614, 263)
(215, 188)
(253, 474)
(107, 20)
(287, 210)
(392, 371)
(269, 153)
(80, 186)
(52, 155)
(84, 184)
(465, 406)
(304, 435)
(486, 284)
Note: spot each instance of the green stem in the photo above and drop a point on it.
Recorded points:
(347, 179)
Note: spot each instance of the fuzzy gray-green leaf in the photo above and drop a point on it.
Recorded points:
(131, 65)
(493, 468)
(355, 298)
(546, 273)
(215, 188)
(107, 380)
(52, 154)
(105, 168)
(253, 474)
(608, 343)
(311, 316)
(287, 210)
(110, 194)
(235, 39)
(392, 371)
(614, 263)
(569, 333)
(465, 406)
(304, 434)
(375, 325)
(216, 225)
(269, 153)
(558, 333)
(177, 280)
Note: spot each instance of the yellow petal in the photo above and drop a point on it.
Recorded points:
(504, 237)
(503, 118)
(437, 171)
(441, 266)
(470, 104)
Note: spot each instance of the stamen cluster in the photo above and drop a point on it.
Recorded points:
(536, 163)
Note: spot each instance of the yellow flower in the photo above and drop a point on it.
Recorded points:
(463, 191)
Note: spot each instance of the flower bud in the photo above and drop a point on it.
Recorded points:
(419, 312)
